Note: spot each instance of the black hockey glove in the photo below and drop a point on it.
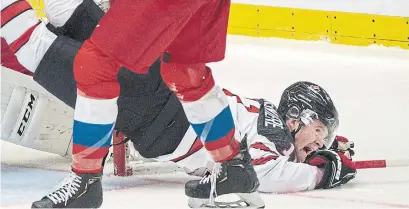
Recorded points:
(342, 144)
(337, 168)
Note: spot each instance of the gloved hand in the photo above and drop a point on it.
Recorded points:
(342, 144)
(336, 167)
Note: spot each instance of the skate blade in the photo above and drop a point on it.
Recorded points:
(246, 200)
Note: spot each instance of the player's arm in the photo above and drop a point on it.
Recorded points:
(9, 60)
(277, 173)
(273, 157)
(270, 146)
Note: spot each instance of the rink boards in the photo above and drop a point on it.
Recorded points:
(363, 27)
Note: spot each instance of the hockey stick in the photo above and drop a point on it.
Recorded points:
(380, 163)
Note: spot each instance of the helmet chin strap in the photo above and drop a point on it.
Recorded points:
(294, 132)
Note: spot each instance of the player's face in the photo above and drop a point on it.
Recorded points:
(310, 138)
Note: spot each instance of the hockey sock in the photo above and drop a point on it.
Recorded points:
(94, 121)
(96, 109)
(205, 105)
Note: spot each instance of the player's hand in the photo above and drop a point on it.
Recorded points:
(342, 144)
(336, 167)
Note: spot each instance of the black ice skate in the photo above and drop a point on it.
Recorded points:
(234, 176)
(75, 191)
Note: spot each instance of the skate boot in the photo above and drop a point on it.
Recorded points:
(236, 176)
(75, 191)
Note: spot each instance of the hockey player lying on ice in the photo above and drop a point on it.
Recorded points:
(279, 140)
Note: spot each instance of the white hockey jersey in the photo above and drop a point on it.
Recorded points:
(270, 146)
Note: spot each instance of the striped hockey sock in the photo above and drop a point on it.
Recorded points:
(212, 120)
(94, 121)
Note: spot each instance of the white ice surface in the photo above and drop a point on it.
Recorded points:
(369, 85)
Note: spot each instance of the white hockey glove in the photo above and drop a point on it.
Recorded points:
(32, 117)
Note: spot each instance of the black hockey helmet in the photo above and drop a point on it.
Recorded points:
(307, 101)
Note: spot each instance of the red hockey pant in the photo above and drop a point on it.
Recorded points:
(134, 33)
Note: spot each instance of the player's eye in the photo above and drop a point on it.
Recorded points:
(321, 132)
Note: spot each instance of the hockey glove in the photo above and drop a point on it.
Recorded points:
(336, 167)
(342, 144)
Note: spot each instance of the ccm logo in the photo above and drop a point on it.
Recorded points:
(26, 116)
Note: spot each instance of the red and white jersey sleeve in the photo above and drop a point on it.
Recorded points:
(277, 170)
(270, 146)
(27, 37)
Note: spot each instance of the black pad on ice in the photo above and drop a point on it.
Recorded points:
(149, 113)
(55, 71)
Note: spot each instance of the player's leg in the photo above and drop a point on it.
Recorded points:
(94, 120)
(95, 69)
(30, 40)
(77, 21)
(185, 72)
